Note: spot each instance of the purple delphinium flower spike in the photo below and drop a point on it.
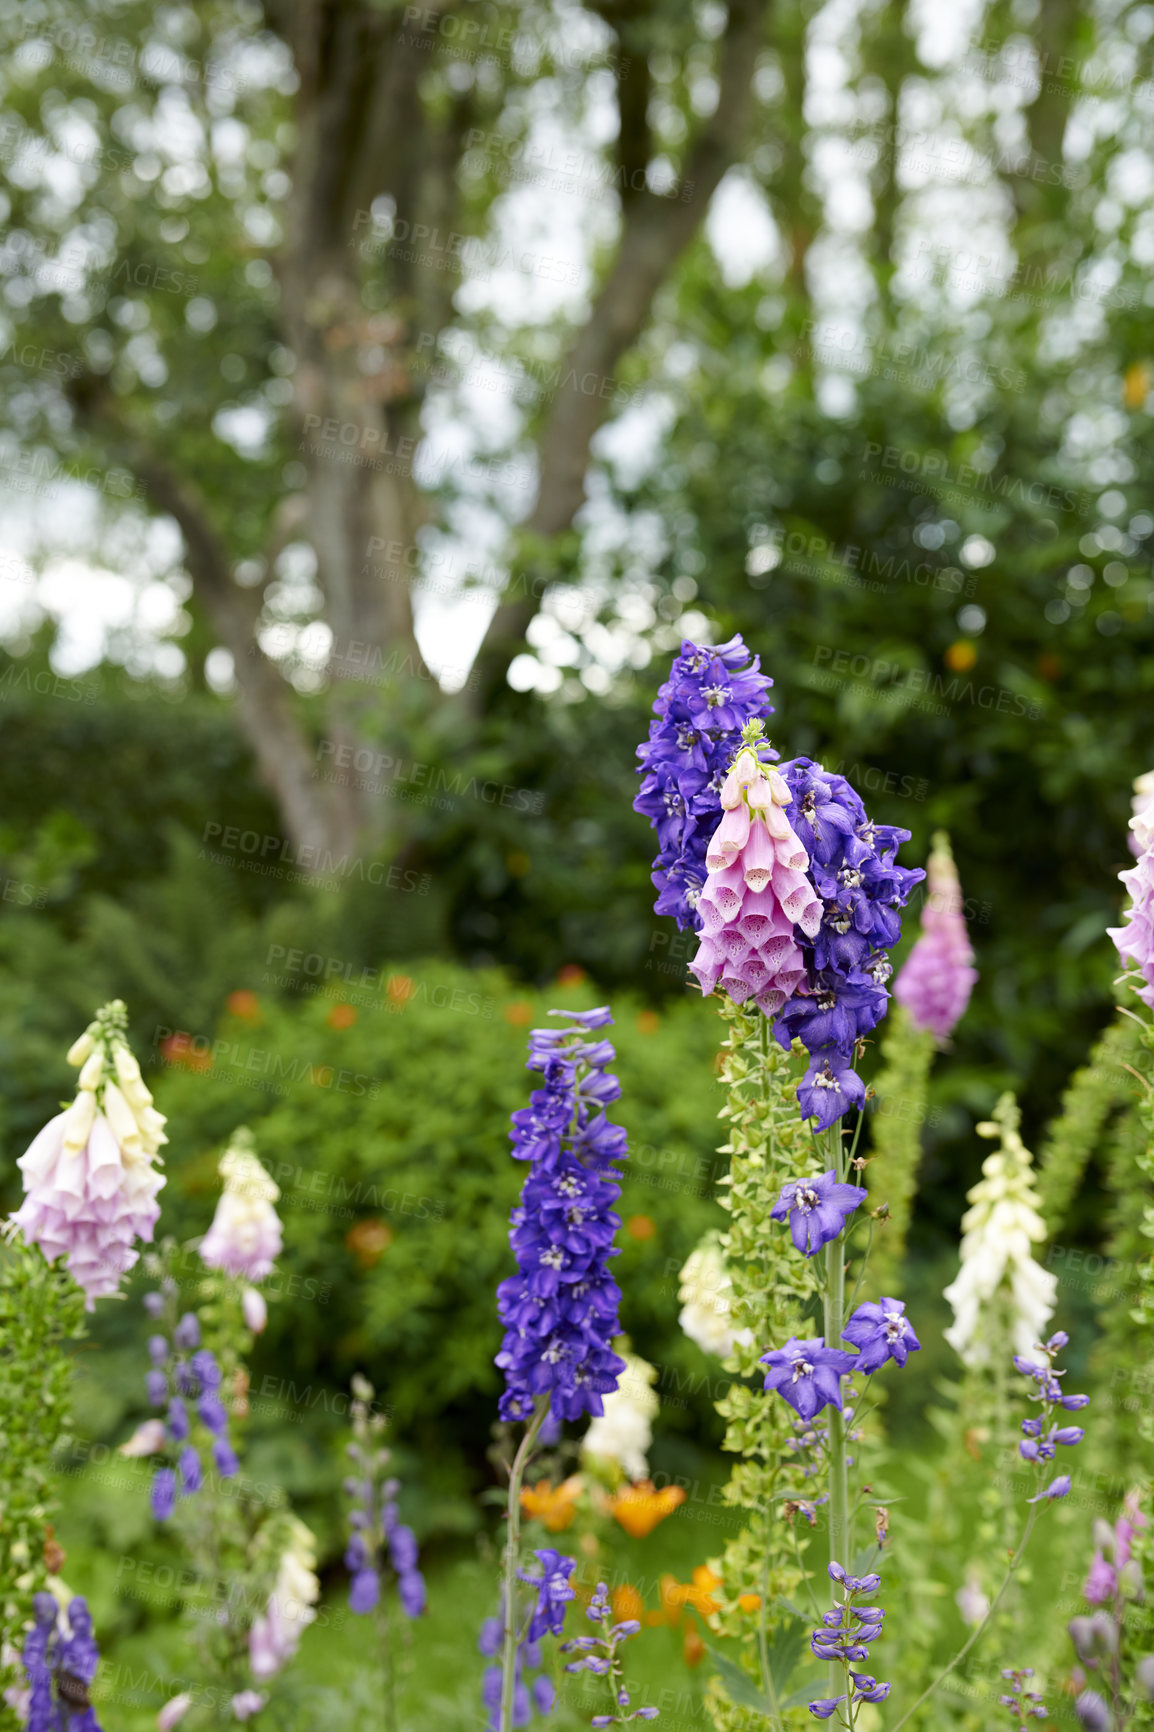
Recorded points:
(817, 1210)
(60, 1654)
(844, 1639)
(700, 712)
(808, 1374)
(938, 977)
(560, 1309)
(860, 890)
(1041, 1435)
(189, 1377)
(554, 1592)
(378, 1542)
(880, 1331)
(1023, 1704)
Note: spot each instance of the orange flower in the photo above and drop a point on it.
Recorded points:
(519, 1013)
(398, 988)
(670, 1610)
(368, 1241)
(648, 1022)
(178, 1049)
(692, 1647)
(961, 656)
(341, 1016)
(244, 1004)
(749, 1602)
(571, 975)
(626, 1603)
(641, 1227)
(639, 1508)
(554, 1505)
(699, 1592)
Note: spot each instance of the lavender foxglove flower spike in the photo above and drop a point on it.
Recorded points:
(89, 1179)
(700, 712)
(275, 1635)
(560, 1309)
(938, 977)
(245, 1237)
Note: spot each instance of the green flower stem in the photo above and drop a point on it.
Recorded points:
(512, 1553)
(838, 1480)
(994, 1604)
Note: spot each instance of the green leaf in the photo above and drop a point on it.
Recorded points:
(740, 1689)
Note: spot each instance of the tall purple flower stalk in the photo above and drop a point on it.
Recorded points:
(185, 1379)
(560, 1309)
(700, 712)
(60, 1660)
(379, 1540)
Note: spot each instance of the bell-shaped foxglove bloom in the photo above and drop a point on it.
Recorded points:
(1142, 813)
(939, 975)
(808, 1374)
(880, 1330)
(706, 1296)
(621, 1434)
(1135, 940)
(60, 1659)
(998, 1271)
(185, 1379)
(817, 1210)
(756, 893)
(89, 1180)
(245, 1237)
(700, 712)
(276, 1634)
(560, 1309)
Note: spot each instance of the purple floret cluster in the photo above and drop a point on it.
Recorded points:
(862, 889)
(187, 1378)
(378, 1532)
(60, 1653)
(560, 1309)
(700, 712)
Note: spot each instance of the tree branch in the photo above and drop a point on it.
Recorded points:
(264, 698)
(655, 232)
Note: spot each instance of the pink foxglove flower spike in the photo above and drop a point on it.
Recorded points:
(936, 982)
(89, 1180)
(756, 892)
(1135, 940)
(245, 1237)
